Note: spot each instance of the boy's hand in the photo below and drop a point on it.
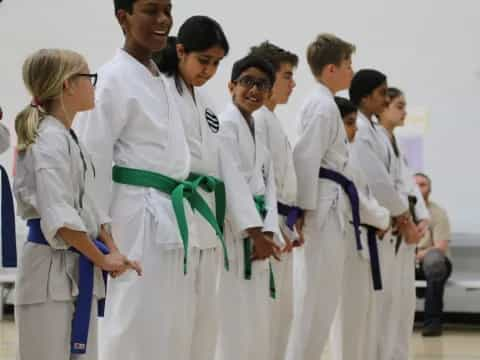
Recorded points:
(264, 246)
(381, 233)
(299, 227)
(423, 227)
(410, 232)
(288, 243)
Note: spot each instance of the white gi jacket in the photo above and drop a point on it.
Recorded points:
(210, 157)
(322, 143)
(54, 182)
(135, 124)
(253, 161)
(375, 157)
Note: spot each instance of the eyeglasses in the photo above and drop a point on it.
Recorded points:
(93, 77)
(249, 82)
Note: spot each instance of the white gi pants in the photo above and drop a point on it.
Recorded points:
(324, 268)
(244, 320)
(282, 306)
(406, 302)
(205, 301)
(353, 327)
(386, 299)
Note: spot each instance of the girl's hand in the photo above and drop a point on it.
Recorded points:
(117, 264)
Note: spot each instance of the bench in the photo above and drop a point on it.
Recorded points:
(469, 285)
(7, 278)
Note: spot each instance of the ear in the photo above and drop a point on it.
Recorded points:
(231, 87)
(122, 19)
(68, 87)
(180, 51)
(269, 94)
(331, 68)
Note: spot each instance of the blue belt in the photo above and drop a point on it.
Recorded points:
(9, 242)
(351, 191)
(83, 303)
(292, 213)
(374, 260)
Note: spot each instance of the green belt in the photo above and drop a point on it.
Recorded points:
(211, 184)
(178, 190)
(247, 248)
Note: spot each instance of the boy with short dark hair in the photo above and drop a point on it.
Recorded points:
(244, 290)
(136, 127)
(269, 131)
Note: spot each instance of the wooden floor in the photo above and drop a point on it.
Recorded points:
(456, 344)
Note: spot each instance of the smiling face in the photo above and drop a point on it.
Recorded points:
(250, 90)
(146, 29)
(198, 67)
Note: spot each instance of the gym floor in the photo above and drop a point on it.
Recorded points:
(457, 343)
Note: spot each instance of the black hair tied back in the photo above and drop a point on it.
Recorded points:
(167, 59)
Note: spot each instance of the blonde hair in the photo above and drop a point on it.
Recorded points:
(44, 74)
(328, 49)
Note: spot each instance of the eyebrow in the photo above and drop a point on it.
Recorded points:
(155, 3)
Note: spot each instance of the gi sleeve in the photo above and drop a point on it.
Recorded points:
(4, 138)
(242, 213)
(241, 208)
(315, 138)
(271, 219)
(56, 190)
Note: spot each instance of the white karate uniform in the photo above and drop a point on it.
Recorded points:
(354, 333)
(245, 304)
(4, 138)
(322, 143)
(376, 159)
(136, 124)
(54, 182)
(405, 297)
(269, 131)
(209, 157)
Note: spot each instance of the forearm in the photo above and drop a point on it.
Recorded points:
(81, 242)
(106, 237)
(442, 245)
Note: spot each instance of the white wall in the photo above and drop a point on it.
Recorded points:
(428, 48)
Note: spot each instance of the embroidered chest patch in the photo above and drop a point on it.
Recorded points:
(212, 120)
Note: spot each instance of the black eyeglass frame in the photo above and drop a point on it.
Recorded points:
(93, 77)
(263, 85)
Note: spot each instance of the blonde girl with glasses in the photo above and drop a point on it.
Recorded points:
(68, 245)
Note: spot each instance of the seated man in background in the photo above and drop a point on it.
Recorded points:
(433, 263)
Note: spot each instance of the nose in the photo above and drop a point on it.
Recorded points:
(164, 19)
(209, 70)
